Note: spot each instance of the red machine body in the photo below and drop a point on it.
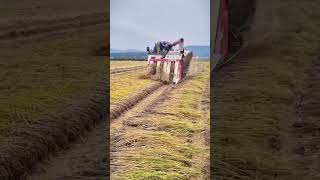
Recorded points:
(230, 20)
(222, 33)
(220, 40)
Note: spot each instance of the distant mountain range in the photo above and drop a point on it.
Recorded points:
(123, 51)
(198, 51)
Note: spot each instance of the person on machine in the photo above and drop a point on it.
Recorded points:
(163, 47)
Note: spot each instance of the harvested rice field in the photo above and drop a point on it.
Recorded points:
(164, 134)
(53, 84)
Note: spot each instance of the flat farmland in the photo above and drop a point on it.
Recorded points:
(122, 67)
(53, 83)
(126, 64)
(14, 13)
(40, 77)
(164, 134)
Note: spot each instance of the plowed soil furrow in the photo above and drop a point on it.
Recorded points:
(137, 111)
(142, 105)
(46, 27)
(86, 158)
(306, 129)
(45, 45)
(155, 133)
(124, 70)
(205, 107)
(117, 109)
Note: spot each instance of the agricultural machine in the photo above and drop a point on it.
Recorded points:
(168, 64)
(230, 20)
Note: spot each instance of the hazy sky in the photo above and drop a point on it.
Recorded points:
(136, 24)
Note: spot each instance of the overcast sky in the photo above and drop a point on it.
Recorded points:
(136, 24)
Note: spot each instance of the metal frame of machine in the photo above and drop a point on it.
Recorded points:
(220, 22)
(173, 67)
(230, 19)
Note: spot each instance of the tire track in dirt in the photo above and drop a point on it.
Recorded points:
(222, 77)
(144, 109)
(137, 111)
(53, 26)
(306, 130)
(118, 108)
(86, 158)
(33, 144)
(205, 107)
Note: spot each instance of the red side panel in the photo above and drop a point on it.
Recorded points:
(222, 38)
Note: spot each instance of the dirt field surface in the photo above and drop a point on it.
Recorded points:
(34, 12)
(122, 67)
(84, 159)
(126, 64)
(265, 103)
(53, 86)
(306, 128)
(160, 137)
(128, 69)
